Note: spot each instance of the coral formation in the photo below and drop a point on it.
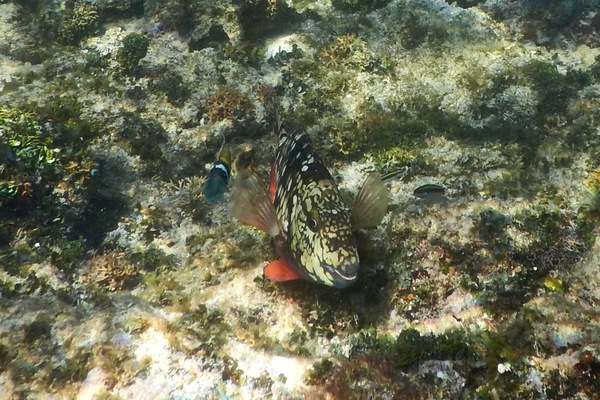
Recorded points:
(228, 103)
(118, 279)
(110, 270)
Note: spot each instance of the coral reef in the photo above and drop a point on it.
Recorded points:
(119, 281)
(227, 103)
(110, 270)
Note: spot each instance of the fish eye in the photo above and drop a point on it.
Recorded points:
(311, 220)
(312, 223)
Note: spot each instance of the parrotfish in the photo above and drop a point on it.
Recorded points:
(218, 176)
(312, 228)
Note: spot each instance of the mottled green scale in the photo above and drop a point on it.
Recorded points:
(314, 218)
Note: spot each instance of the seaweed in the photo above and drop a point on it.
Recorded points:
(145, 137)
(134, 48)
(27, 151)
(200, 331)
(174, 88)
(262, 18)
(80, 20)
(413, 348)
(555, 89)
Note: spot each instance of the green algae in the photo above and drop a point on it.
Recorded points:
(80, 20)
(144, 137)
(557, 248)
(231, 372)
(555, 89)
(590, 212)
(27, 148)
(182, 16)
(513, 272)
(67, 254)
(36, 359)
(174, 88)
(595, 68)
(382, 359)
(104, 395)
(200, 331)
(413, 348)
(154, 258)
(134, 48)
(262, 18)
(32, 151)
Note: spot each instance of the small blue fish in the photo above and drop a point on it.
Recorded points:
(218, 176)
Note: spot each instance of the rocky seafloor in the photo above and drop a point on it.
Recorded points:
(119, 281)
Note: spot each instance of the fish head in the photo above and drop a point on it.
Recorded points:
(321, 236)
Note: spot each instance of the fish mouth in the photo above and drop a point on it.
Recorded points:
(345, 275)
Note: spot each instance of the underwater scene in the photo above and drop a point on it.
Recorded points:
(292, 199)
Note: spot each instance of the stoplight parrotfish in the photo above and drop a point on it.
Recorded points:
(311, 226)
(218, 176)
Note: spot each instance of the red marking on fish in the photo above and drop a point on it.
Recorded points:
(279, 271)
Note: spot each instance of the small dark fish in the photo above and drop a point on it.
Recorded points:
(388, 177)
(429, 191)
(218, 176)
(312, 228)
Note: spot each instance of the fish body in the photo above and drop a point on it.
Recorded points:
(313, 215)
(311, 226)
(218, 176)
(429, 191)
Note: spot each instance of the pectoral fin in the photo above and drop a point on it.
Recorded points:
(371, 203)
(251, 205)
